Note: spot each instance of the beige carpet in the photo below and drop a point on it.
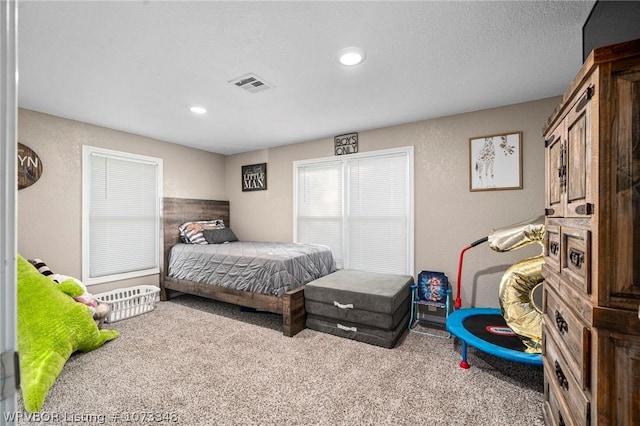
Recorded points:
(206, 363)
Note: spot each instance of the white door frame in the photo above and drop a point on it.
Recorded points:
(8, 204)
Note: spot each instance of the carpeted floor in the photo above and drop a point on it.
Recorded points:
(202, 362)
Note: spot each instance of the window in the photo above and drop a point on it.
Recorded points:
(121, 215)
(360, 205)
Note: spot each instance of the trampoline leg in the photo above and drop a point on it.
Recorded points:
(464, 364)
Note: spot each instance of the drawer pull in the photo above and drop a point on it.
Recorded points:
(576, 257)
(554, 247)
(561, 324)
(562, 379)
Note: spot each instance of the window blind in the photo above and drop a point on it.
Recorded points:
(320, 206)
(361, 207)
(122, 216)
(378, 213)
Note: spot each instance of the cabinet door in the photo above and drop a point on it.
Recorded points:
(579, 200)
(619, 387)
(625, 227)
(554, 181)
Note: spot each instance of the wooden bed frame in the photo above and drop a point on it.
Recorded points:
(179, 210)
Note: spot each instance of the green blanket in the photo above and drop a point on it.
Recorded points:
(51, 326)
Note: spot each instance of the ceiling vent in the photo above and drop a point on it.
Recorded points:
(251, 83)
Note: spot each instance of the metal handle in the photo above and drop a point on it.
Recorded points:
(562, 170)
(576, 257)
(588, 94)
(561, 324)
(586, 209)
(554, 247)
(562, 379)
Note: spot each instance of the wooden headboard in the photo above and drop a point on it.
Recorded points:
(176, 211)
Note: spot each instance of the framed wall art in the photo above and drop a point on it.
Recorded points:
(495, 162)
(254, 177)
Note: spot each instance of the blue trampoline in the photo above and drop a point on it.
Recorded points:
(485, 329)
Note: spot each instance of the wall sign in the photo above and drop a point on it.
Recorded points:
(346, 144)
(29, 166)
(254, 177)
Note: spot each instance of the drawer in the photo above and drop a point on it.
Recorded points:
(552, 247)
(551, 279)
(570, 334)
(569, 393)
(555, 414)
(575, 257)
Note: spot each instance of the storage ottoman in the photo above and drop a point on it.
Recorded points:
(364, 306)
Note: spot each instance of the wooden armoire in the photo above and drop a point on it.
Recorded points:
(591, 322)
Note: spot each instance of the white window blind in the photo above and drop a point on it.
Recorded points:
(378, 214)
(361, 206)
(121, 219)
(320, 201)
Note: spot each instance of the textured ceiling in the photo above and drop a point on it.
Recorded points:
(137, 65)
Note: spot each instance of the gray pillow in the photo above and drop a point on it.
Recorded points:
(219, 236)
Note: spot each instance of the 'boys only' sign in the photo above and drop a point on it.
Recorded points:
(346, 144)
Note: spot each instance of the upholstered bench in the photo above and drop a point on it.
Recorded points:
(364, 306)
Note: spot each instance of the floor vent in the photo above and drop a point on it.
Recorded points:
(251, 83)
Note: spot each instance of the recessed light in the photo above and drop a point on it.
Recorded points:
(351, 56)
(197, 109)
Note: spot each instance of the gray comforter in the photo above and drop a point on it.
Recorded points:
(258, 267)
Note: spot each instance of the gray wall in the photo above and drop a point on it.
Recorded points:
(447, 215)
(50, 211)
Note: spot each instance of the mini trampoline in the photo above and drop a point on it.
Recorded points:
(486, 328)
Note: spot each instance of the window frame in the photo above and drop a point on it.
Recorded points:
(408, 151)
(87, 152)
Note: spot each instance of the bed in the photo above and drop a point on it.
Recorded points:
(285, 297)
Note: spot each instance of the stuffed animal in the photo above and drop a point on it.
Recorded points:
(98, 310)
(51, 326)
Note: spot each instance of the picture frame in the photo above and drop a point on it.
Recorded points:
(254, 177)
(495, 162)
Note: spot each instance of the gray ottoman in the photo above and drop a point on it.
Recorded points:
(364, 306)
